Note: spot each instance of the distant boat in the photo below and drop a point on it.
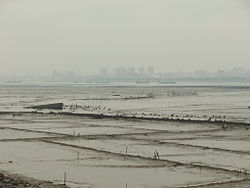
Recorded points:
(89, 82)
(167, 82)
(102, 82)
(14, 82)
(248, 107)
(142, 82)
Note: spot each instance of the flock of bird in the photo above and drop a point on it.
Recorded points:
(102, 109)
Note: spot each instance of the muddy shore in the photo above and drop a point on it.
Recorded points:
(98, 143)
(17, 181)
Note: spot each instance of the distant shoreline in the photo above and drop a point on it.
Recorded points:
(129, 85)
(129, 117)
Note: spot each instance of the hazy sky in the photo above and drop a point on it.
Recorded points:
(38, 36)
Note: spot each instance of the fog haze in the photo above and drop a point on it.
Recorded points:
(171, 35)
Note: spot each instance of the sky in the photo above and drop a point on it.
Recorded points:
(84, 35)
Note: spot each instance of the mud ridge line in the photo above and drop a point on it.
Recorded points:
(157, 131)
(108, 136)
(35, 131)
(69, 136)
(103, 136)
(106, 152)
(18, 120)
(172, 132)
(190, 146)
(173, 163)
(211, 185)
(203, 147)
(114, 136)
(28, 139)
(161, 143)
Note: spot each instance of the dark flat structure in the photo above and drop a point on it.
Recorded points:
(54, 106)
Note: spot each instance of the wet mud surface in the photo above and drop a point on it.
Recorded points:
(195, 147)
(52, 146)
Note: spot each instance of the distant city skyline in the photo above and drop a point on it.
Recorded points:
(131, 69)
(134, 74)
(171, 35)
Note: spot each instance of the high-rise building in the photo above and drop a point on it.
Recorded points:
(70, 76)
(103, 71)
(131, 70)
(150, 70)
(141, 70)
